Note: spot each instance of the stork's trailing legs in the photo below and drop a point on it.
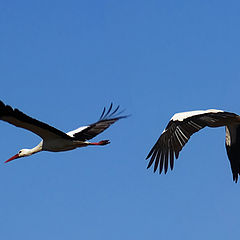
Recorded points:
(101, 143)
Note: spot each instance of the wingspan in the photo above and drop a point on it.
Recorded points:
(108, 117)
(179, 130)
(19, 119)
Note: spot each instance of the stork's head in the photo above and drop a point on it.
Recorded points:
(21, 153)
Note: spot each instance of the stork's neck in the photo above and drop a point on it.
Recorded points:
(36, 149)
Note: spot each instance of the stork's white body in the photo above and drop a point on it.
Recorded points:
(54, 145)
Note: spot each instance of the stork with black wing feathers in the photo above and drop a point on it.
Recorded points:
(54, 140)
(183, 125)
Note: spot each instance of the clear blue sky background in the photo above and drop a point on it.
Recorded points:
(62, 62)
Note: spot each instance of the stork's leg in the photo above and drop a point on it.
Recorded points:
(101, 143)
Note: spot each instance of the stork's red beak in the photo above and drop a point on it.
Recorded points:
(12, 158)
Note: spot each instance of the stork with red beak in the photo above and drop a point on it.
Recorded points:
(54, 140)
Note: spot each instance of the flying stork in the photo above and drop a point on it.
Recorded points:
(54, 140)
(183, 125)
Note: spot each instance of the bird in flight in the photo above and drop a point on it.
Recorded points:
(54, 140)
(183, 125)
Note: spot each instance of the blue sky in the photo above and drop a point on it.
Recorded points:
(62, 62)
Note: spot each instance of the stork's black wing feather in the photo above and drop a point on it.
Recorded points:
(171, 142)
(106, 120)
(233, 150)
(20, 119)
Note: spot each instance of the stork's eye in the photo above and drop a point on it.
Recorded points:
(19, 151)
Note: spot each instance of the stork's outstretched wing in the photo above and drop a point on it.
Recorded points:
(106, 120)
(20, 119)
(179, 130)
